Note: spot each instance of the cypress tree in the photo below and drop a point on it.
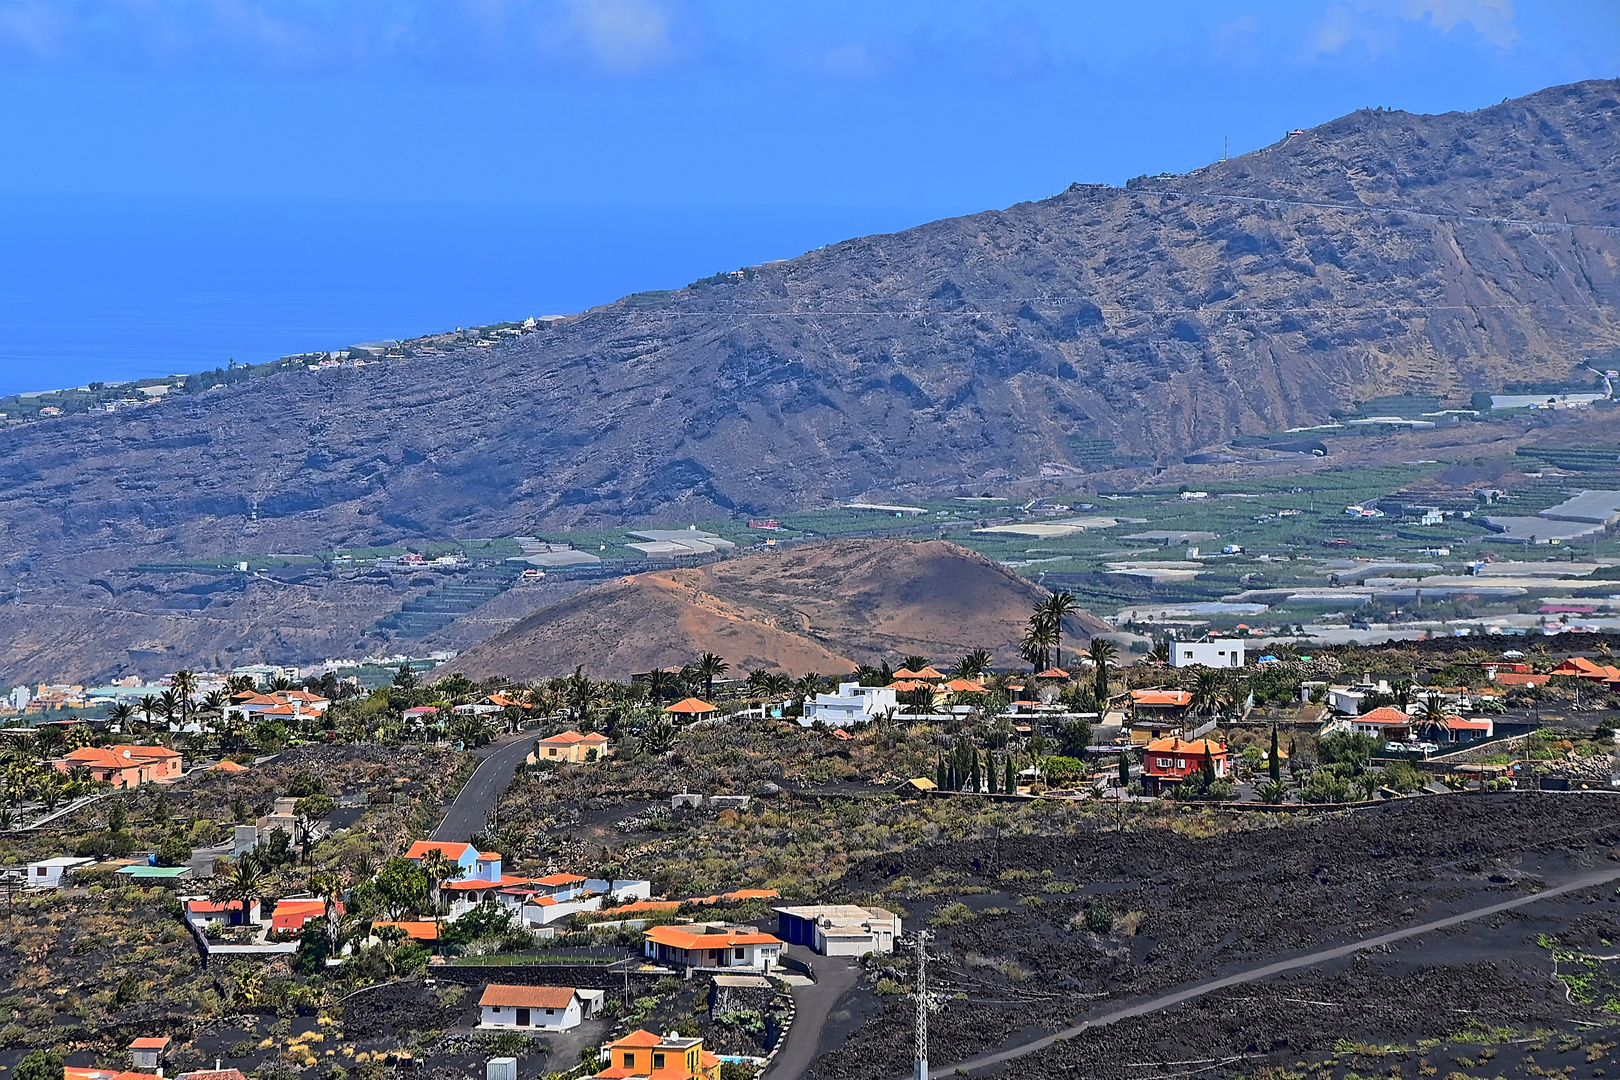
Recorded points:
(1276, 764)
(1209, 765)
(974, 778)
(990, 772)
(941, 781)
(950, 776)
(1009, 778)
(1124, 769)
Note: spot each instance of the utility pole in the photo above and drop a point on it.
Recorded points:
(921, 1072)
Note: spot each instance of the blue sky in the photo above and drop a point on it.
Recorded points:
(937, 104)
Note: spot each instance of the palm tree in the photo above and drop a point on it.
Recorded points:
(1209, 691)
(1102, 654)
(121, 714)
(168, 705)
(1057, 607)
(579, 691)
(777, 684)
(914, 662)
(659, 684)
(329, 887)
(709, 667)
(184, 683)
(659, 736)
(972, 665)
(439, 869)
(241, 882)
(149, 707)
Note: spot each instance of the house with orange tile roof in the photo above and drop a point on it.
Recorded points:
(1580, 667)
(125, 766)
(537, 1008)
(1167, 763)
(290, 916)
(641, 1055)
(1457, 729)
(203, 913)
(1385, 722)
(707, 946)
(425, 932)
(1521, 678)
(573, 748)
(70, 1073)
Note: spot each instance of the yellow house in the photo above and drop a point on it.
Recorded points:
(573, 747)
(641, 1055)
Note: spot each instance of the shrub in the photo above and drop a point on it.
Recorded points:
(1100, 917)
(1063, 771)
(951, 915)
(887, 987)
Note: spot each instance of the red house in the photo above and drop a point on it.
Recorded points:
(1170, 761)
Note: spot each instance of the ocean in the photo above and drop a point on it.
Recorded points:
(111, 288)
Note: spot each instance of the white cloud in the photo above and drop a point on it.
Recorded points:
(622, 36)
(36, 27)
(1376, 25)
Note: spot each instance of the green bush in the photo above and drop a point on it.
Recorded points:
(1100, 917)
(951, 915)
(1404, 777)
(1061, 771)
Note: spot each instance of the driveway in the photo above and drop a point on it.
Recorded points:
(472, 807)
(835, 976)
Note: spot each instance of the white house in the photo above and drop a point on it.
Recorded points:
(537, 1008)
(1221, 652)
(50, 873)
(853, 704)
(839, 929)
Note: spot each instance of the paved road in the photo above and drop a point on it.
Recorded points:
(834, 976)
(470, 811)
(1171, 1000)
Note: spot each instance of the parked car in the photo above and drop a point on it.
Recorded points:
(1396, 748)
(1428, 748)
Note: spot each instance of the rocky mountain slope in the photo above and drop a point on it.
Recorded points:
(1383, 252)
(821, 608)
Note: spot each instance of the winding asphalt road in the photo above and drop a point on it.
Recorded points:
(812, 1004)
(1012, 1053)
(471, 809)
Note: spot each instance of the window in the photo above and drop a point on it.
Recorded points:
(1165, 763)
(658, 1061)
(737, 954)
(629, 1061)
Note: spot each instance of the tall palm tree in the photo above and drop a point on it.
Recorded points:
(1102, 654)
(914, 662)
(149, 708)
(184, 684)
(710, 667)
(439, 869)
(580, 692)
(1057, 607)
(168, 705)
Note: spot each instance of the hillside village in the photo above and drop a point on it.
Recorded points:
(669, 875)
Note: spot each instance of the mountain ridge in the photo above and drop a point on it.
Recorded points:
(1014, 349)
